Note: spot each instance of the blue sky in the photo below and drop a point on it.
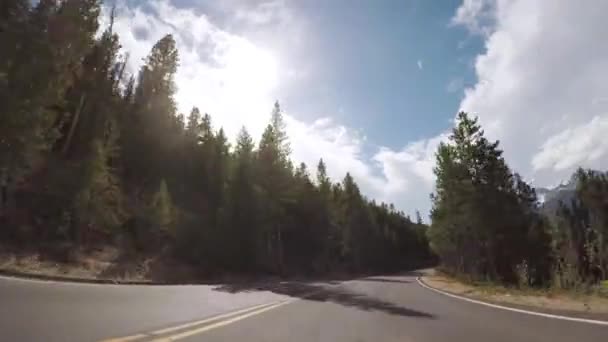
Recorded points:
(364, 56)
(368, 58)
(373, 86)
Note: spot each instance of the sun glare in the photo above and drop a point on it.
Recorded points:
(249, 69)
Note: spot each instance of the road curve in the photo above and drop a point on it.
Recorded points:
(370, 309)
(32, 310)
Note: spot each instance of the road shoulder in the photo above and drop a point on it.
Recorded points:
(583, 307)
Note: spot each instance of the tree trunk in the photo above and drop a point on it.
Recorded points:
(3, 191)
(280, 250)
(68, 140)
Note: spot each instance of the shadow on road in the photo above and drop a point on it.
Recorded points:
(324, 293)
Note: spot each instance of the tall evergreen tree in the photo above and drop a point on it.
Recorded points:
(280, 138)
(240, 213)
(98, 202)
(99, 149)
(38, 66)
(149, 125)
(482, 213)
(161, 211)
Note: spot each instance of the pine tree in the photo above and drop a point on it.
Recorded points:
(218, 170)
(91, 102)
(161, 211)
(95, 147)
(193, 128)
(36, 71)
(274, 174)
(99, 202)
(150, 123)
(279, 132)
(351, 213)
(418, 217)
(322, 179)
(580, 232)
(482, 213)
(301, 173)
(240, 212)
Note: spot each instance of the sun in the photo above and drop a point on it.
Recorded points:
(250, 70)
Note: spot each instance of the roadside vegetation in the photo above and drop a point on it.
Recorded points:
(548, 299)
(97, 164)
(489, 227)
(92, 156)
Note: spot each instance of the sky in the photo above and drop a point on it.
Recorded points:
(373, 87)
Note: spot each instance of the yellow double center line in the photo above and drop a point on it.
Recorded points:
(216, 322)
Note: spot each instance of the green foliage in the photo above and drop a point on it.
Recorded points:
(240, 218)
(160, 210)
(322, 180)
(42, 48)
(149, 123)
(86, 148)
(98, 202)
(487, 223)
(279, 136)
(580, 234)
(485, 219)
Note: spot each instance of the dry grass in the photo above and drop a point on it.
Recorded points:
(543, 299)
(102, 263)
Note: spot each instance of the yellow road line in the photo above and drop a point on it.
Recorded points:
(187, 325)
(221, 323)
(210, 319)
(125, 339)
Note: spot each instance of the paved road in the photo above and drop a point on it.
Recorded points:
(371, 309)
(52, 311)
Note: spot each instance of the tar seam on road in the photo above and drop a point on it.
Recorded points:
(534, 313)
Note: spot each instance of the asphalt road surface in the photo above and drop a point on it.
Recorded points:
(371, 309)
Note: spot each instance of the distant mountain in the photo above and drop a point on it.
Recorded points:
(550, 198)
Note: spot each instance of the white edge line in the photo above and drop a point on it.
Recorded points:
(534, 313)
(68, 282)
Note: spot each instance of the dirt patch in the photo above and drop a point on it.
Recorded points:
(105, 263)
(546, 301)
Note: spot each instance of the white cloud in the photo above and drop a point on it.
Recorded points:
(409, 173)
(541, 89)
(585, 144)
(403, 177)
(476, 15)
(236, 81)
(272, 11)
(339, 146)
(540, 81)
(221, 73)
